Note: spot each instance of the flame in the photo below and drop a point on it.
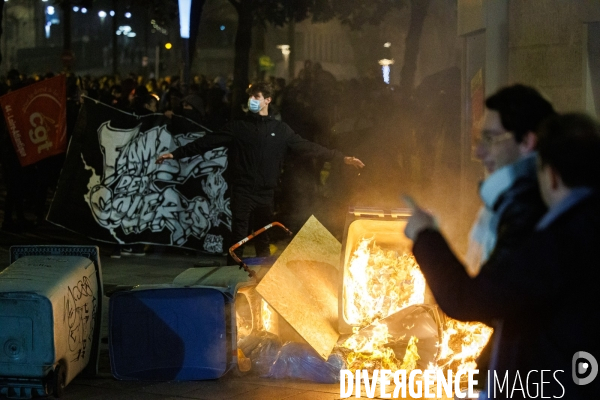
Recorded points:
(266, 315)
(409, 362)
(369, 352)
(461, 344)
(380, 283)
(377, 284)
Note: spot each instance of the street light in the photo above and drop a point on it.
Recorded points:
(285, 51)
(75, 9)
(84, 10)
(127, 15)
(112, 13)
(185, 10)
(385, 68)
(102, 14)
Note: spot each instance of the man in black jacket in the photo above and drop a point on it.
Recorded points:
(257, 145)
(545, 291)
(510, 193)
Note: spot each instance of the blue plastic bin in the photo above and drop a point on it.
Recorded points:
(170, 333)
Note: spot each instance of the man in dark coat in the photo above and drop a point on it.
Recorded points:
(258, 145)
(545, 291)
(510, 193)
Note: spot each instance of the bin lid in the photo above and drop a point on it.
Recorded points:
(41, 274)
(168, 334)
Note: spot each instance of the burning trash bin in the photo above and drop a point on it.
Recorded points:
(384, 301)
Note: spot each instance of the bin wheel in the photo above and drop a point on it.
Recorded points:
(59, 381)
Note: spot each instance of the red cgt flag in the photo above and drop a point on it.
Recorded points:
(36, 119)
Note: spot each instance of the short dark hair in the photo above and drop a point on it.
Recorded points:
(521, 108)
(260, 87)
(570, 144)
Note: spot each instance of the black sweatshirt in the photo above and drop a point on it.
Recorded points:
(257, 147)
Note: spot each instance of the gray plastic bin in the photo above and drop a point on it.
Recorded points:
(50, 318)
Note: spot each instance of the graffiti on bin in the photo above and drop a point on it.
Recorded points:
(80, 315)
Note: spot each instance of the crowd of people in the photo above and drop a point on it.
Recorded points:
(532, 253)
(315, 105)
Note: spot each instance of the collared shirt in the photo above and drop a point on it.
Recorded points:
(575, 196)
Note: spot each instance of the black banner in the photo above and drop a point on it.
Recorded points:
(111, 190)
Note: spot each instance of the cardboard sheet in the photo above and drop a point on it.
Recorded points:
(302, 286)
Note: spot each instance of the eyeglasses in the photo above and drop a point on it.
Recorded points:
(489, 138)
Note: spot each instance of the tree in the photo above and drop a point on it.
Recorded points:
(275, 12)
(1, 19)
(357, 13)
(163, 12)
(66, 6)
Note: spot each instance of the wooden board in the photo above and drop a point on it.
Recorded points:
(302, 286)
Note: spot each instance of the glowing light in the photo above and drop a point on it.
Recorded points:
(75, 8)
(84, 10)
(285, 49)
(267, 316)
(102, 14)
(222, 27)
(168, 46)
(131, 34)
(461, 344)
(386, 73)
(112, 13)
(385, 68)
(185, 9)
(379, 283)
(387, 44)
(127, 15)
(398, 279)
(50, 10)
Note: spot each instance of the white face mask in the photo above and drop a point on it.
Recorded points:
(253, 105)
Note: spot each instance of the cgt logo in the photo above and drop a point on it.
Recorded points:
(584, 367)
(39, 133)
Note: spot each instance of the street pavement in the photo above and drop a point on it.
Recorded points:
(161, 265)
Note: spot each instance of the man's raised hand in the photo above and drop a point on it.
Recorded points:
(163, 157)
(354, 161)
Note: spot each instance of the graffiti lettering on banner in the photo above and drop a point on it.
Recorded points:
(36, 119)
(112, 182)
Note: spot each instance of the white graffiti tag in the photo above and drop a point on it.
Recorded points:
(135, 194)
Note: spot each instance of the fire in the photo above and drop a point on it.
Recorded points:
(379, 283)
(266, 315)
(462, 343)
(368, 351)
(409, 362)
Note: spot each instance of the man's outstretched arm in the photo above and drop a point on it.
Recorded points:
(297, 144)
(208, 141)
